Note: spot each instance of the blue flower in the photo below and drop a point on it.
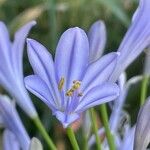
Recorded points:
(14, 129)
(136, 39)
(11, 70)
(70, 84)
(119, 120)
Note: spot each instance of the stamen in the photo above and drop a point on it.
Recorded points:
(69, 92)
(76, 85)
(61, 84)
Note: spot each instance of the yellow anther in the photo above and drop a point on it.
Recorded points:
(69, 92)
(76, 85)
(61, 84)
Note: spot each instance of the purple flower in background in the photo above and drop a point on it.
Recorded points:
(70, 84)
(14, 127)
(11, 70)
(119, 120)
(136, 39)
(117, 108)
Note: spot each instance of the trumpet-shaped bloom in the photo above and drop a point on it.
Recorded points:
(136, 39)
(11, 72)
(12, 122)
(70, 84)
(119, 119)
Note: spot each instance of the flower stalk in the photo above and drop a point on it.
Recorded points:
(72, 138)
(144, 89)
(95, 129)
(110, 139)
(43, 132)
(85, 142)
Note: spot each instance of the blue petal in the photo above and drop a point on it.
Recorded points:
(8, 79)
(42, 64)
(136, 39)
(10, 141)
(97, 40)
(5, 47)
(99, 71)
(98, 95)
(5, 53)
(18, 46)
(38, 87)
(72, 54)
(13, 123)
(4, 81)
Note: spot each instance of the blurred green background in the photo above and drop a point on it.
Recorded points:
(55, 16)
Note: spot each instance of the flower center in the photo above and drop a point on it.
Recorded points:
(75, 87)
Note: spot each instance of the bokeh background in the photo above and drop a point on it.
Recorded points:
(55, 16)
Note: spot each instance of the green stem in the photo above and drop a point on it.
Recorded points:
(43, 132)
(95, 128)
(72, 138)
(85, 142)
(144, 89)
(104, 115)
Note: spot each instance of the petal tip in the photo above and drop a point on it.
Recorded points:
(33, 22)
(28, 40)
(118, 53)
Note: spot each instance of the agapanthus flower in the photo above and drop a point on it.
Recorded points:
(11, 70)
(70, 84)
(136, 39)
(15, 132)
(117, 108)
(119, 121)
